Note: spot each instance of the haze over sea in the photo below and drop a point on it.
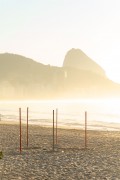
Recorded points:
(102, 114)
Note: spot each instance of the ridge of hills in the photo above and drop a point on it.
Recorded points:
(80, 77)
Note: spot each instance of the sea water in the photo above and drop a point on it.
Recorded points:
(103, 114)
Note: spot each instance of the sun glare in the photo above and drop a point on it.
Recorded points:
(114, 76)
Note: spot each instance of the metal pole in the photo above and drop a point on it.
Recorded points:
(56, 124)
(27, 126)
(85, 129)
(53, 131)
(20, 130)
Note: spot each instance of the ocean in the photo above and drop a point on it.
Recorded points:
(102, 114)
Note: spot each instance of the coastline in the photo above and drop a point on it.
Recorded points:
(95, 126)
(70, 159)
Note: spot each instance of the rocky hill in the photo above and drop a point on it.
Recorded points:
(23, 78)
(76, 58)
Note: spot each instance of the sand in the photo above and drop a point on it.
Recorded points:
(70, 160)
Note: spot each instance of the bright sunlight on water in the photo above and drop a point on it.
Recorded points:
(102, 113)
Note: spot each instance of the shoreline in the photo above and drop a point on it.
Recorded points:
(94, 126)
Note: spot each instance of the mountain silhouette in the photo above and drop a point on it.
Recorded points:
(76, 58)
(80, 77)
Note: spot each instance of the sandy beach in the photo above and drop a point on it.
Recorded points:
(70, 160)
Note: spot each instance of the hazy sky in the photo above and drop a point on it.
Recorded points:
(46, 29)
